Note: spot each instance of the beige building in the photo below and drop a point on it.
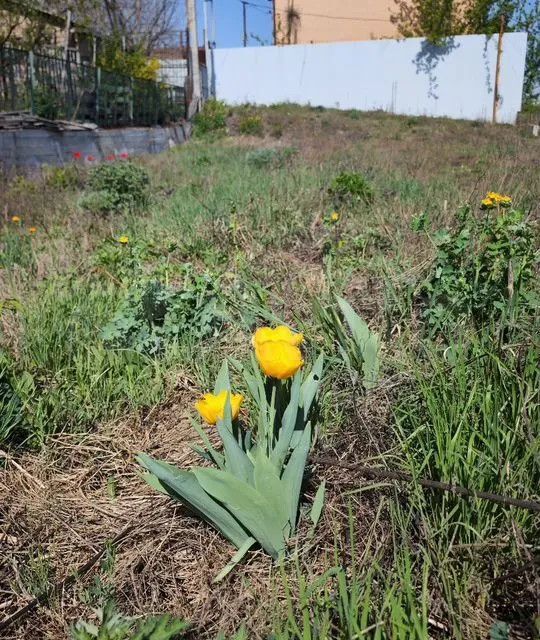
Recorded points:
(311, 21)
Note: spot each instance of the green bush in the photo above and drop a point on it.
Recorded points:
(480, 267)
(116, 186)
(154, 315)
(349, 188)
(212, 118)
(262, 158)
(251, 125)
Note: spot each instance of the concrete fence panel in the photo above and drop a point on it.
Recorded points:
(410, 77)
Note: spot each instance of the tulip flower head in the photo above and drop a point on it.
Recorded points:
(277, 351)
(279, 334)
(211, 407)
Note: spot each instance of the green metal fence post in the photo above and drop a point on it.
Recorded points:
(32, 78)
(98, 86)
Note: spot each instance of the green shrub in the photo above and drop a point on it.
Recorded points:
(154, 315)
(68, 177)
(349, 188)
(480, 267)
(116, 186)
(262, 158)
(212, 118)
(251, 125)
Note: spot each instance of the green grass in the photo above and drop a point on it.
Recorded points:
(458, 404)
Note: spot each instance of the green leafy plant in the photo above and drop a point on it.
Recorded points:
(358, 346)
(116, 186)
(480, 268)
(350, 188)
(251, 125)
(11, 410)
(153, 314)
(263, 158)
(112, 625)
(212, 119)
(253, 493)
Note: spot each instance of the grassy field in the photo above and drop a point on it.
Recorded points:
(119, 300)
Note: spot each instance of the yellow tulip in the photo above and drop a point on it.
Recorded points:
(279, 334)
(278, 359)
(212, 407)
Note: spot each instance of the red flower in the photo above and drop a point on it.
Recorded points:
(111, 157)
(77, 155)
(124, 155)
(90, 158)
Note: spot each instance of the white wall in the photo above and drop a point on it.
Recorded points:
(401, 76)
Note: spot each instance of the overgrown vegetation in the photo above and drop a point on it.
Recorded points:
(421, 293)
(115, 186)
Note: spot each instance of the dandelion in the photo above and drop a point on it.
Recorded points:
(494, 199)
(123, 239)
(77, 155)
(32, 230)
(212, 407)
(15, 219)
(334, 216)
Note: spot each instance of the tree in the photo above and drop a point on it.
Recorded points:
(437, 20)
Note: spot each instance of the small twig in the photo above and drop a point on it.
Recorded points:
(17, 466)
(66, 582)
(455, 489)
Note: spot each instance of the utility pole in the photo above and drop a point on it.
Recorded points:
(274, 30)
(244, 12)
(496, 96)
(195, 102)
(208, 44)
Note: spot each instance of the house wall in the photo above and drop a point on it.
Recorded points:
(410, 77)
(335, 20)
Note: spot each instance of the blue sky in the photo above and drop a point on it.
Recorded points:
(228, 20)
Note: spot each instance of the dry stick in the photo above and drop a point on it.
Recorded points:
(377, 472)
(66, 582)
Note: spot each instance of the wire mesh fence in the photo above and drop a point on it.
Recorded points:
(59, 89)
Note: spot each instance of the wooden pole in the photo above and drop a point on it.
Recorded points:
(498, 71)
(244, 21)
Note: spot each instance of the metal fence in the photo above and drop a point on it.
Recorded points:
(56, 89)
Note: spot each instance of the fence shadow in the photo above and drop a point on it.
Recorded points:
(427, 59)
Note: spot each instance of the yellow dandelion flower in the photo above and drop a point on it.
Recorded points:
(212, 407)
(334, 216)
(32, 230)
(123, 239)
(15, 219)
